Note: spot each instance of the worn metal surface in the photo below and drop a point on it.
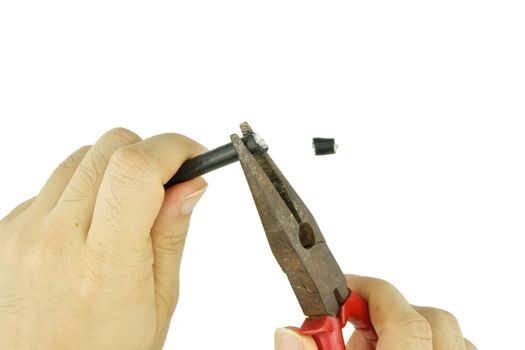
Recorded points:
(294, 237)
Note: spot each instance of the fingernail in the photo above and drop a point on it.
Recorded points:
(190, 201)
(286, 339)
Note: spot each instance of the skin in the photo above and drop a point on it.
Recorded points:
(92, 262)
(399, 325)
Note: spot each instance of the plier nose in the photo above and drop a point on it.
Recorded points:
(301, 250)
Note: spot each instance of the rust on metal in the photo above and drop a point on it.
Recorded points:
(294, 237)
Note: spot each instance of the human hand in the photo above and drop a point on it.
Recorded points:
(92, 262)
(398, 324)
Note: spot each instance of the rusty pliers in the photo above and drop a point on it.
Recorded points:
(301, 251)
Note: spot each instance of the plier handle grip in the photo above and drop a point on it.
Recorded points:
(301, 250)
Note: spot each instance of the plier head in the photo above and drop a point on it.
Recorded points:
(294, 237)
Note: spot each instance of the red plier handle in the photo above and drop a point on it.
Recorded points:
(327, 330)
(301, 250)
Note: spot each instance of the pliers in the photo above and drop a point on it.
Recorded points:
(301, 250)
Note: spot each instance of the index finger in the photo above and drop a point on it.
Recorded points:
(395, 320)
(131, 192)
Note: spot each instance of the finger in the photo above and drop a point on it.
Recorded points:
(469, 345)
(290, 339)
(57, 182)
(358, 342)
(446, 333)
(17, 210)
(168, 236)
(78, 198)
(132, 192)
(395, 321)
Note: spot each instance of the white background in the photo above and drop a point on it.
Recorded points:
(426, 100)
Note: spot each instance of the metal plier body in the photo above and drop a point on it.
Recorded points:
(301, 250)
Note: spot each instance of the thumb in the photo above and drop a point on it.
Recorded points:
(168, 235)
(290, 339)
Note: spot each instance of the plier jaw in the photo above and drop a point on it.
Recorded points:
(298, 246)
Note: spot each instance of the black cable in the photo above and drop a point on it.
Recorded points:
(215, 159)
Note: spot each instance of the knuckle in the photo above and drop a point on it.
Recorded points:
(132, 160)
(97, 162)
(83, 149)
(383, 285)
(90, 172)
(90, 177)
(14, 213)
(73, 160)
(180, 137)
(419, 327)
(120, 137)
(186, 143)
(79, 153)
(444, 319)
(76, 193)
